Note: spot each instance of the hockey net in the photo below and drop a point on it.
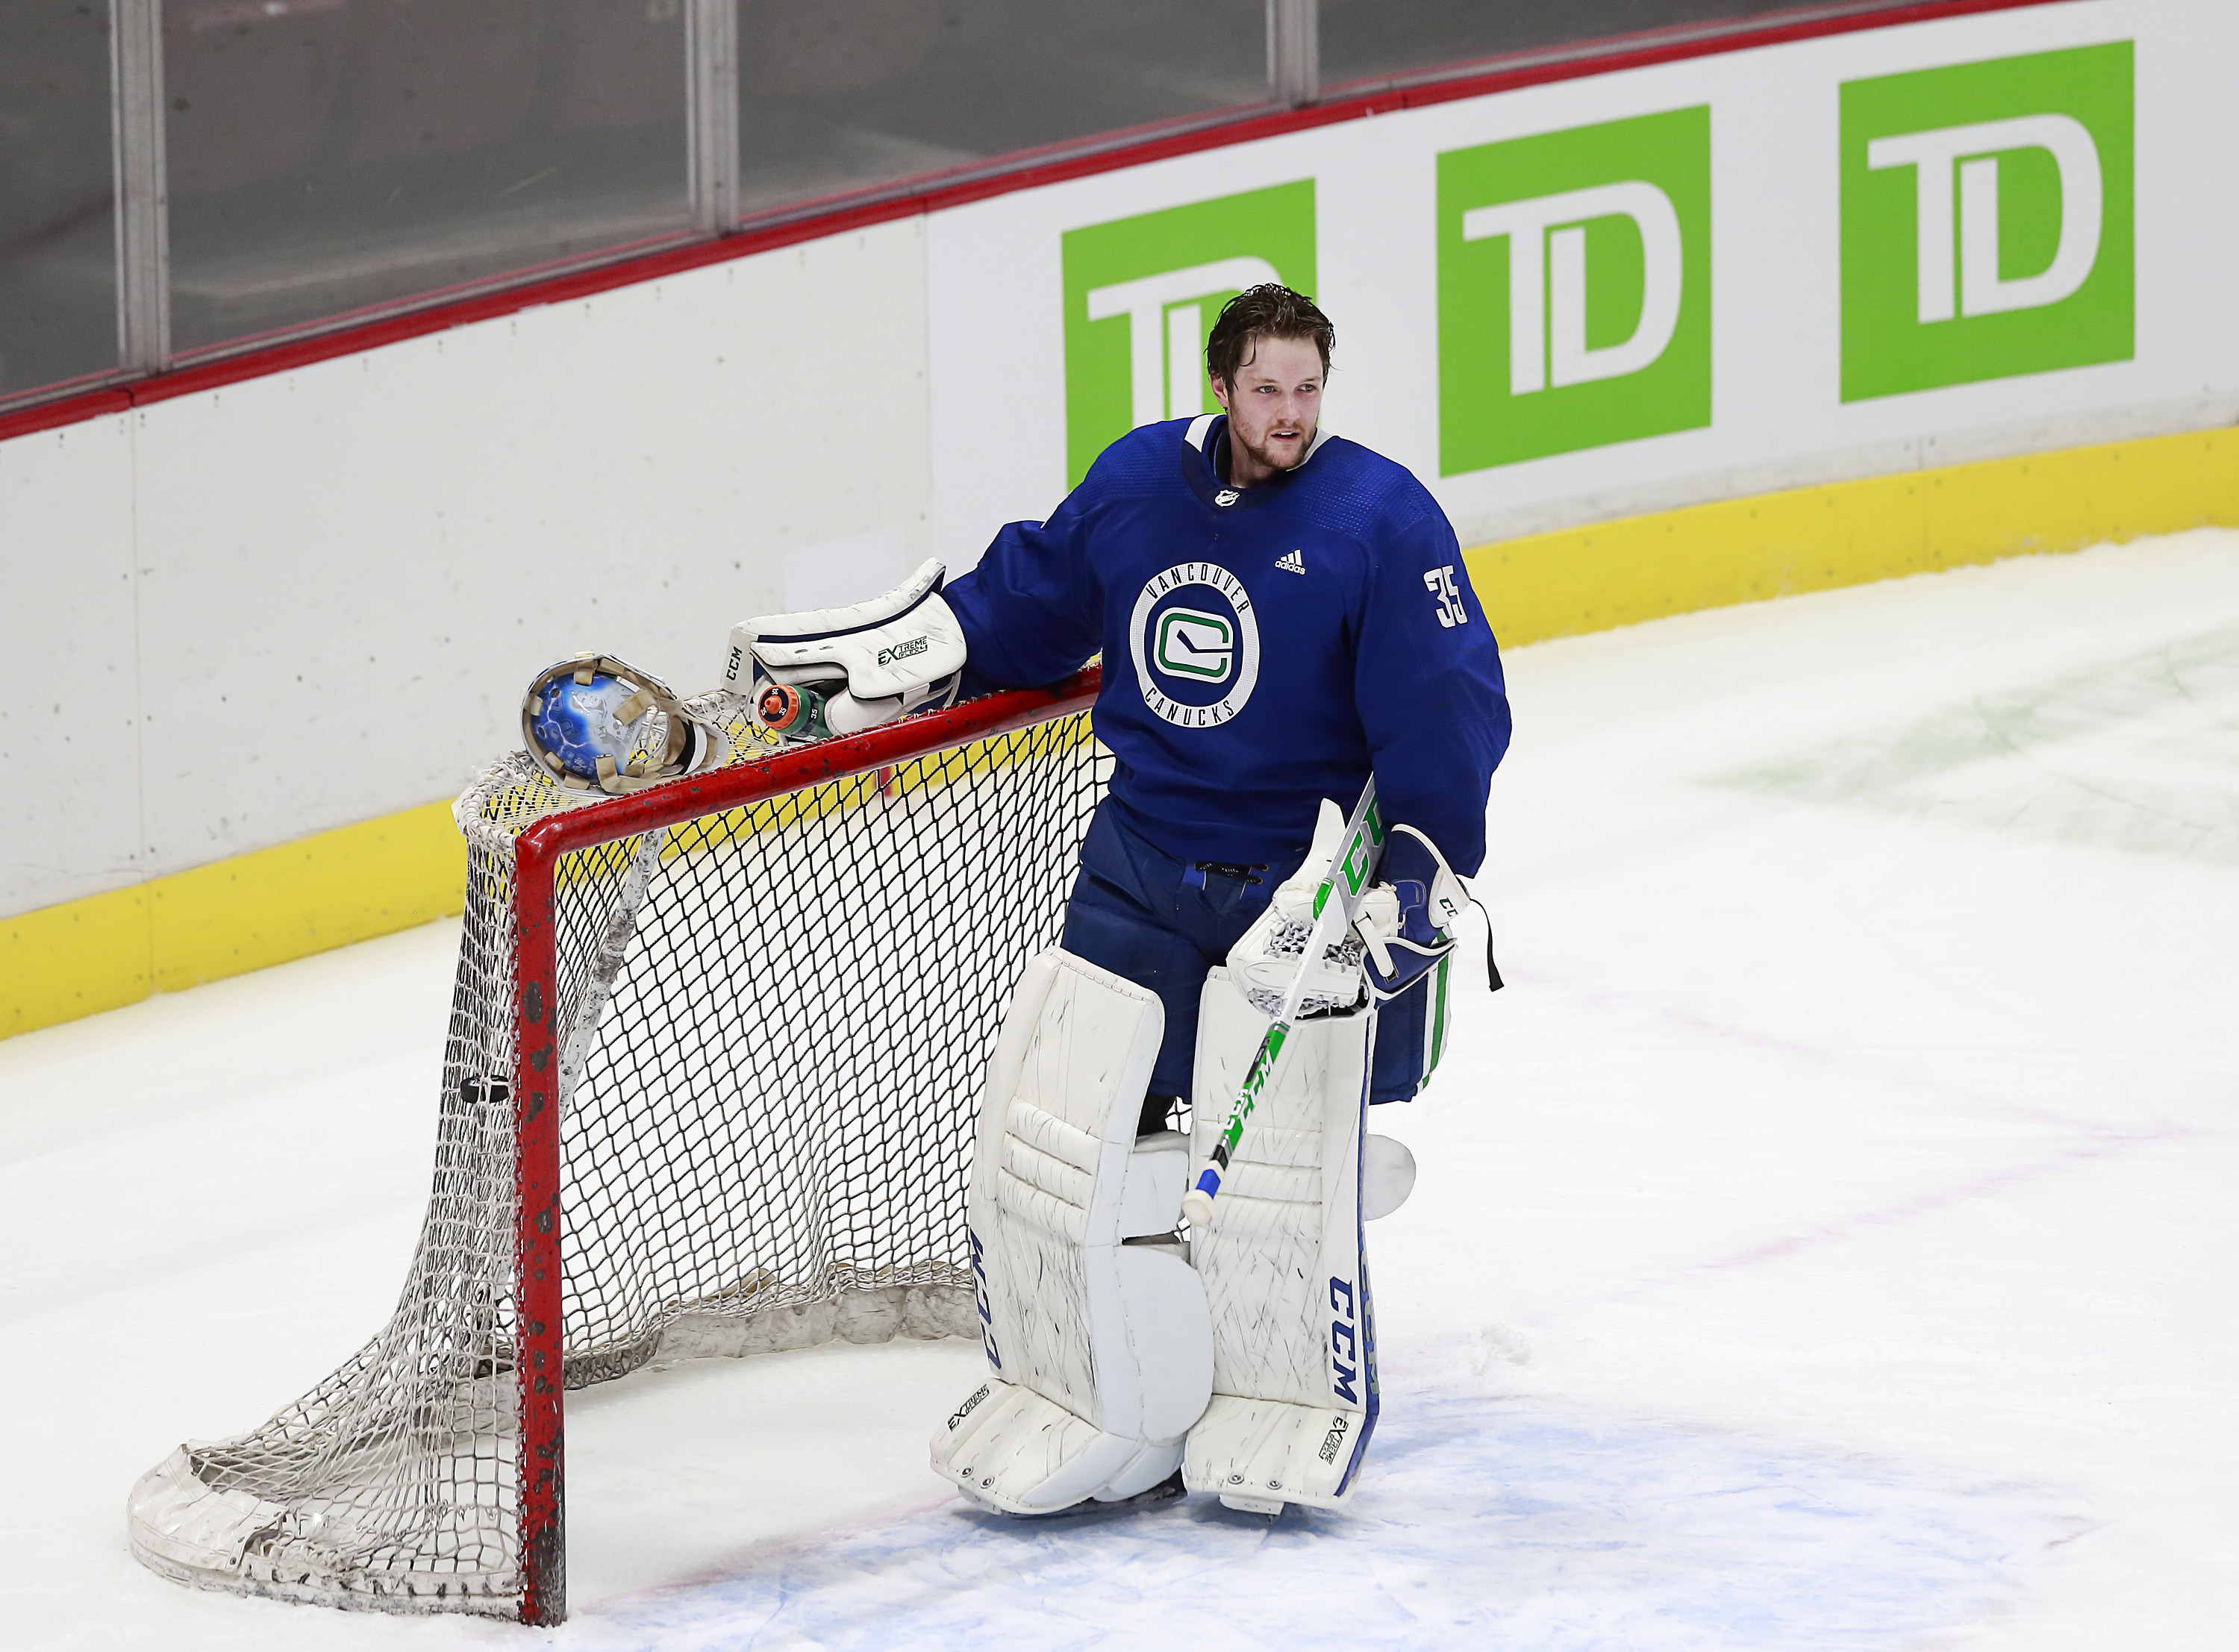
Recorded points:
(709, 1087)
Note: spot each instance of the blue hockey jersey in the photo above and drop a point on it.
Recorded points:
(1264, 647)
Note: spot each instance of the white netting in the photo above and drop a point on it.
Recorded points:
(774, 1023)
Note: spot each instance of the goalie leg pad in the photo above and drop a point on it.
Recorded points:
(1294, 1350)
(1099, 1352)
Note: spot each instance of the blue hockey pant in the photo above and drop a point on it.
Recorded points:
(1163, 923)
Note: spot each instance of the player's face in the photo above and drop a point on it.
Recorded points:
(1272, 407)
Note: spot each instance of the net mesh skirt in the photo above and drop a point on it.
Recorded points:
(770, 1022)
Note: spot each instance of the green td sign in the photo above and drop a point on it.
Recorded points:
(1986, 221)
(1141, 294)
(1574, 289)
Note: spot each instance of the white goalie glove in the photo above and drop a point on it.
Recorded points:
(1270, 953)
(1404, 930)
(840, 671)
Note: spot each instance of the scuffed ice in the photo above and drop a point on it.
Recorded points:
(1824, 1241)
(1484, 1522)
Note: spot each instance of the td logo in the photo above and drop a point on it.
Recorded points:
(1574, 289)
(1986, 221)
(1141, 294)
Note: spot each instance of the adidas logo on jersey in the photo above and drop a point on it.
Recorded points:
(1293, 563)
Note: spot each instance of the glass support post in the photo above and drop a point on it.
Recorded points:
(712, 47)
(1293, 51)
(144, 240)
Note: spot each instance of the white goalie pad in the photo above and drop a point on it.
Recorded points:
(1388, 1177)
(1294, 1346)
(1099, 1351)
(896, 652)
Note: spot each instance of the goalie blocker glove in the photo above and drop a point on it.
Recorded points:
(1406, 927)
(840, 671)
(1409, 925)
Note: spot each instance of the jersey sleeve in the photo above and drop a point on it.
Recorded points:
(1031, 611)
(1428, 686)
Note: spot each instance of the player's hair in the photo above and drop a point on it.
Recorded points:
(1265, 311)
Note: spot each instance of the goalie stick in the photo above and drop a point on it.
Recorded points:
(1337, 903)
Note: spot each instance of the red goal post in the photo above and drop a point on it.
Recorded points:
(713, 1064)
(537, 1200)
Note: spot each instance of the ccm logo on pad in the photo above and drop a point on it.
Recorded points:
(1345, 1342)
(979, 1301)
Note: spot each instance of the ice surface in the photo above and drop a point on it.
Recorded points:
(1826, 1241)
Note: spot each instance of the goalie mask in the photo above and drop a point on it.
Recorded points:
(593, 720)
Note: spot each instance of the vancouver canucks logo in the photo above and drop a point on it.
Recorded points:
(1195, 645)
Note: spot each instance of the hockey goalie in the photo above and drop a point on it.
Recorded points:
(1298, 712)
(1286, 626)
